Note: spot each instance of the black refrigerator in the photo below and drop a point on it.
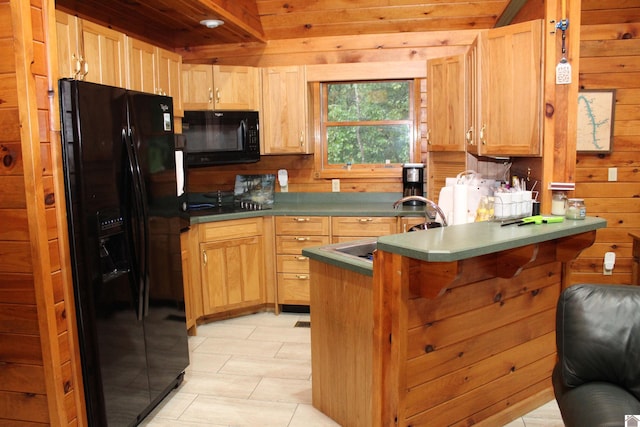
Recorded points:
(125, 209)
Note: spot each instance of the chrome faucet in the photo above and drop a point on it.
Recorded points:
(428, 202)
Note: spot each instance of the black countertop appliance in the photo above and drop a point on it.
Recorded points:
(413, 182)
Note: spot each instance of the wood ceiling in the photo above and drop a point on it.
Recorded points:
(176, 23)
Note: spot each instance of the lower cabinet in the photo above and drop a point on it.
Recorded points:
(228, 267)
(292, 234)
(345, 228)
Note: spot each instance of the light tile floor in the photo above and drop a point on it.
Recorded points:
(256, 371)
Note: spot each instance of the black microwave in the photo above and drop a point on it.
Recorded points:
(221, 137)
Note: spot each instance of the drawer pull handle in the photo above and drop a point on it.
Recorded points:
(302, 239)
(365, 219)
(301, 219)
(302, 276)
(302, 258)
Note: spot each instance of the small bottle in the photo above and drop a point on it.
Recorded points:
(576, 209)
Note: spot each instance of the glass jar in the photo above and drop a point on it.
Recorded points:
(576, 209)
(558, 203)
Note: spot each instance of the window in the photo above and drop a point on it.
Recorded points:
(364, 127)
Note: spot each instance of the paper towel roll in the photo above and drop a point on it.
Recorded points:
(459, 204)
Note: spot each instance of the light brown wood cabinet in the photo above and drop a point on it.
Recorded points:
(91, 52)
(231, 266)
(511, 87)
(220, 87)
(345, 228)
(292, 234)
(446, 103)
(284, 111)
(155, 70)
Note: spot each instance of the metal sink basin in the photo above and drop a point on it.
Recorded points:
(358, 249)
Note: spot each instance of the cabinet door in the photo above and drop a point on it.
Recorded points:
(511, 80)
(284, 111)
(69, 61)
(446, 103)
(169, 66)
(197, 87)
(471, 98)
(104, 55)
(230, 277)
(143, 72)
(236, 88)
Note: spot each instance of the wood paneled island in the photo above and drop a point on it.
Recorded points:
(451, 326)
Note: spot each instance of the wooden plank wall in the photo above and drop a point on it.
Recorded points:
(378, 50)
(610, 59)
(36, 385)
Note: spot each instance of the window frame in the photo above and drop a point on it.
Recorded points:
(391, 170)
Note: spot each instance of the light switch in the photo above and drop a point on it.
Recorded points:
(613, 174)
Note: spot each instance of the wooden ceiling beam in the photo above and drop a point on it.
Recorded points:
(241, 13)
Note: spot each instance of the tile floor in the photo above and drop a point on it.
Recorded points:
(256, 371)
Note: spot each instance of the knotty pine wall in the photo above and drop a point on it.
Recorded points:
(37, 385)
(610, 59)
(382, 51)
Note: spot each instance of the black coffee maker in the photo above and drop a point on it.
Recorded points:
(413, 182)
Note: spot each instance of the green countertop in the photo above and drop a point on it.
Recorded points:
(322, 204)
(458, 242)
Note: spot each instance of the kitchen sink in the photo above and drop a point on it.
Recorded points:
(359, 249)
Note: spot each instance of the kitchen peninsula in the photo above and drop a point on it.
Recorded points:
(454, 326)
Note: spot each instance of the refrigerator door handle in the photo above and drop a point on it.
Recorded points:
(137, 225)
(145, 221)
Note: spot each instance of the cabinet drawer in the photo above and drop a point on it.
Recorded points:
(293, 288)
(292, 264)
(294, 244)
(315, 225)
(366, 226)
(223, 230)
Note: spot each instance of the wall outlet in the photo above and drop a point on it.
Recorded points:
(613, 174)
(335, 185)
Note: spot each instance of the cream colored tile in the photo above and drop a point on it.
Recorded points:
(194, 342)
(308, 416)
(516, 423)
(237, 386)
(283, 390)
(238, 412)
(267, 367)
(225, 330)
(239, 347)
(274, 333)
(206, 362)
(171, 407)
(299, 351)
(548, 411)
(265, 319)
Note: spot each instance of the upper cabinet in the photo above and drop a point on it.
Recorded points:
(509, 120)
(220, 87)
(90, 52)
(284, 111)
(155, 70)
(446, 103)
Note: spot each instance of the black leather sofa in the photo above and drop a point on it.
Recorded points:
(597, 378)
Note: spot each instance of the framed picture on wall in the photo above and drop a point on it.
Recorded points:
(595, 120)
